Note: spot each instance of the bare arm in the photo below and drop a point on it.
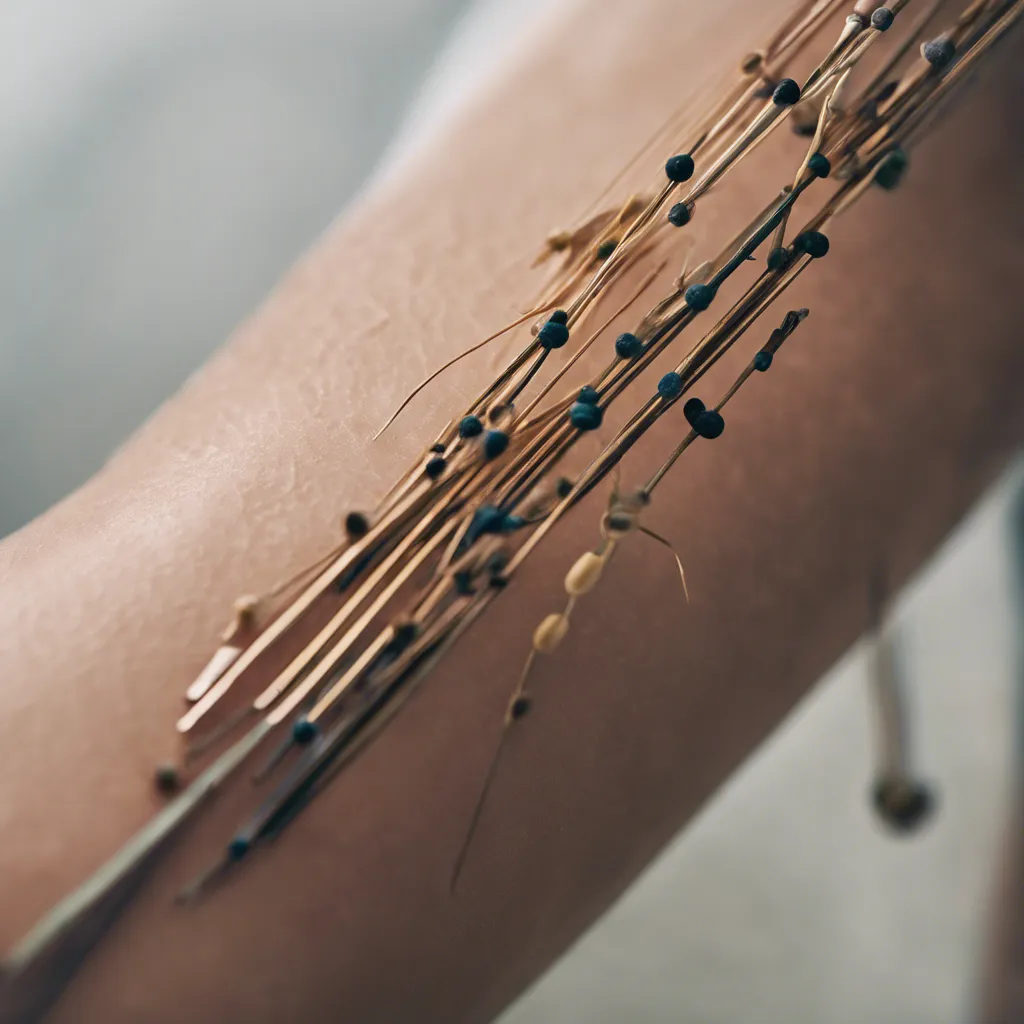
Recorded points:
(899, 403)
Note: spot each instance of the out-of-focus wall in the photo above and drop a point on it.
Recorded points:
(162, 162)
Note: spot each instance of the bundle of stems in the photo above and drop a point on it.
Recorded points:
(454, 531)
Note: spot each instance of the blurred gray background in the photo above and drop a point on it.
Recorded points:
(161, 163)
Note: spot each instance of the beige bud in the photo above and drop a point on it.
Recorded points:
(550, 633)
(584, 575)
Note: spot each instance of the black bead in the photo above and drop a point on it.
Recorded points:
(786, 93)
(692, 409)
(628, 346)
(814, 243)
(585, 417)
(238, 848)
(671, 385)
(819, 165)
(763, 361)
(891, 170)
(435, 467)
(304, 731)
(588, 395)
(471, 426)
(167, 779)
(564, 487)
(553, 334)
(559, 316)
(605, 249)
(709, 424)
(680, 214)
(699, 296)
(904, 806)
(619, 522)
(882, 19)
(520, 708)
(438, 448)
(495, 442)
(778, 258)
(679, 168)
(938, 52)
(403, 634)
(356, 525)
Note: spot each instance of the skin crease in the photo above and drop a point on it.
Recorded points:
(887, 414)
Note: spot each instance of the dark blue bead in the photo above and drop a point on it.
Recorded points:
(814, 243)
(939, 52)
(671, 385)
(628, 346)
(520, 708)
(699, 296)
(511, 523)
(588, 395)
(605, 249)
(679, 168)
(778, 258)
(304, 731)
(692, 409)
(471, 426)
(891, 169)
(559, 316)
(486, 519)
(709, 424)
(495, 442)
(438, 448)
(679, 215)
(585, 417)
(786, 93)
(819, 165)
(435, 467)
(553, 334)
(882, 19)
(238, 847)
(763, 361)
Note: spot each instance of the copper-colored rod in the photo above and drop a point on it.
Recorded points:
(585, 347)
(290, 615)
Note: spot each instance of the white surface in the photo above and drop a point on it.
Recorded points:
(161, 162)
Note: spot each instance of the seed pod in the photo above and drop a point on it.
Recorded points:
(550, 633)
(584, 575)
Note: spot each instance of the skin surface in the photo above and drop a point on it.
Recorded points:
(890, 410)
